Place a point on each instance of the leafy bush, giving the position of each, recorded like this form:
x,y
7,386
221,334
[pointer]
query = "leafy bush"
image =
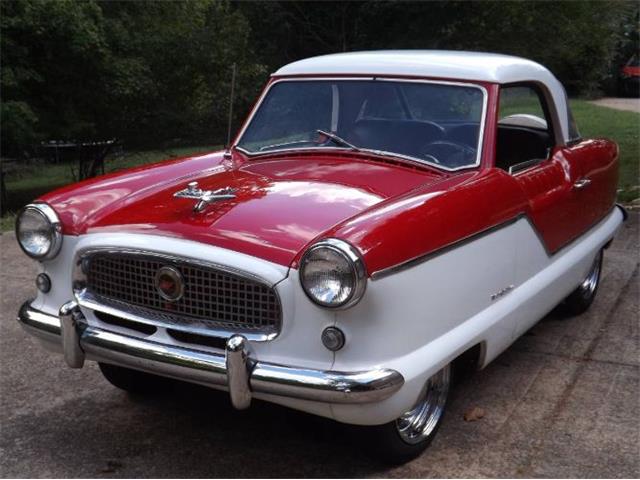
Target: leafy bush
x,y
157,73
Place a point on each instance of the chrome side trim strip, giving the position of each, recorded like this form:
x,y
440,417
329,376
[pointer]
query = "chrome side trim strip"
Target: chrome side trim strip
x,y
441,251
475,236
235,369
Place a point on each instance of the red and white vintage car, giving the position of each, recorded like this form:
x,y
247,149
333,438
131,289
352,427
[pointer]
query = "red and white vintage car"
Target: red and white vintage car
x,y
379,216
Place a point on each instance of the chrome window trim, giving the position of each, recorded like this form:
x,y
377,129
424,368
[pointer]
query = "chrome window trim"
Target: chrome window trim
x,y
357,265
483,118
87,300
51,216
521,167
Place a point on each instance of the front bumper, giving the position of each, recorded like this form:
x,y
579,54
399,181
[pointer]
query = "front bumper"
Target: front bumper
x,y
236,369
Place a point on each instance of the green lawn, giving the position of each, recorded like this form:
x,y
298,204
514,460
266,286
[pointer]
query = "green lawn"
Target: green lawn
x,y
593,121
36,180
620,126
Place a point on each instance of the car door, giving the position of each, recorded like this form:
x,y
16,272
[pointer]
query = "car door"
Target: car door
x,y
595,190
547,174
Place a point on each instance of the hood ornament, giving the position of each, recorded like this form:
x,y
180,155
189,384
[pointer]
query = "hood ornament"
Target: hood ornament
x,y
205,197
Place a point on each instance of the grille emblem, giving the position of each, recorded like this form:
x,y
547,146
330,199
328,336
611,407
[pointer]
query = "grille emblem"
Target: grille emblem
x,y
169,283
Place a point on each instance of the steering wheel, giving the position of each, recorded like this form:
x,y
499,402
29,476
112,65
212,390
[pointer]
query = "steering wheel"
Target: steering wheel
x,y
450,154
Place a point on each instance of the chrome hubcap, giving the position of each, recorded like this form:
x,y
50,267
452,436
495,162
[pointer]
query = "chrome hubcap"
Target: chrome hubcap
x,y
589,284
419,422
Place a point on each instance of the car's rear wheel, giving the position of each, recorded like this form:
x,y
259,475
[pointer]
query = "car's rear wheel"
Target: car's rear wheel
x,y
582,297
133,381
410,434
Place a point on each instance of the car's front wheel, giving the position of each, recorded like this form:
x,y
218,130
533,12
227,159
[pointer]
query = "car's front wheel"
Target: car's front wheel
x,y
410,434
133,381
582,297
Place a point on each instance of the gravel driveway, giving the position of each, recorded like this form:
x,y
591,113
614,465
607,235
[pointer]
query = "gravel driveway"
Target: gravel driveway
x,y
563,401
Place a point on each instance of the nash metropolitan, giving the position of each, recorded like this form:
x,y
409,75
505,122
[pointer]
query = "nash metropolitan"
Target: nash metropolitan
x,y
379,216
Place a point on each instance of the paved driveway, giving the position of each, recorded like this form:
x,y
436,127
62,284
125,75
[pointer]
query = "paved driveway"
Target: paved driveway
x,y
631,104
563,401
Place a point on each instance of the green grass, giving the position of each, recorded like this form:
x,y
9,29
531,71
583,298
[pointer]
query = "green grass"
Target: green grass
x,y
7,221
36,180
623,127
595,121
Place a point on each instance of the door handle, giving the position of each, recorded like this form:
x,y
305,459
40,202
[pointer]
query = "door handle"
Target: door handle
x,y
582,183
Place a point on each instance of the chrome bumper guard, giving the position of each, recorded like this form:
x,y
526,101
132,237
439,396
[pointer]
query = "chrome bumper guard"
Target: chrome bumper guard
x,y
236,369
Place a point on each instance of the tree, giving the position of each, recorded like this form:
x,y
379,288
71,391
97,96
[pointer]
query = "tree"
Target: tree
x,y
51,57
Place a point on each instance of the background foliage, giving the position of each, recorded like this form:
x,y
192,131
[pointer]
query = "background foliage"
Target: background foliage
x,y
157,74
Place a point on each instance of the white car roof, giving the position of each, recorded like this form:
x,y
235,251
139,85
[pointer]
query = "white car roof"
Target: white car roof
x,y
446,64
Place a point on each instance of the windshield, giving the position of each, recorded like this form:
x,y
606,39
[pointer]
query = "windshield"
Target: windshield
x,y
434,123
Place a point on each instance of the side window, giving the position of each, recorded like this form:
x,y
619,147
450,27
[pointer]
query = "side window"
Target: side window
x,y
524,128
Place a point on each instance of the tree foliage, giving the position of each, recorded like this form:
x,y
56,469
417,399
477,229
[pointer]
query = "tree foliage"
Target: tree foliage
x,y
158,72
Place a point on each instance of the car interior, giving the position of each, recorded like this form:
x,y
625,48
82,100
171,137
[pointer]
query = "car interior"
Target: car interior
x,y
518,145
418,122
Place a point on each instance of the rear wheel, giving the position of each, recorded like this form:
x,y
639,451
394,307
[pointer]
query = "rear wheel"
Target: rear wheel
x,y
408,436
133,381
582,297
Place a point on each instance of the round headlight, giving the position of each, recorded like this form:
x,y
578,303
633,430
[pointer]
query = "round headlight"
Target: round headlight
x,y
38,231
332,274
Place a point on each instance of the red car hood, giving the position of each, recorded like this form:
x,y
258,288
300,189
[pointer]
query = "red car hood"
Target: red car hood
x,y
281,204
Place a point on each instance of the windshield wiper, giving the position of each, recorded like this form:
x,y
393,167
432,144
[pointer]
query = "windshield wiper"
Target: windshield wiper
x,y
338,140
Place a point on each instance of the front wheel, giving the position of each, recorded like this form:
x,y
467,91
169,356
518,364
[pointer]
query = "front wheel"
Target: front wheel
x,y
582,297
409,435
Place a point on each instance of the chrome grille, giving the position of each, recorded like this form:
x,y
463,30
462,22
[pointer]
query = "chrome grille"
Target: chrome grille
x,y
212,297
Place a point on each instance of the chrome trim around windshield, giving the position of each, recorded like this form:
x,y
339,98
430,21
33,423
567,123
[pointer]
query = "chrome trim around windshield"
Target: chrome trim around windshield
x,y
386,78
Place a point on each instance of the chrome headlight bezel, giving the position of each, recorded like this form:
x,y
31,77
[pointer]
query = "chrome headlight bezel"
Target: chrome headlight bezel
x,y
356,266
53,227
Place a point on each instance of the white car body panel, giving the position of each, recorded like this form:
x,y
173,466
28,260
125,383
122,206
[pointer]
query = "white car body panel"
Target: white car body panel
x,y
443,64
414,321
493,325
